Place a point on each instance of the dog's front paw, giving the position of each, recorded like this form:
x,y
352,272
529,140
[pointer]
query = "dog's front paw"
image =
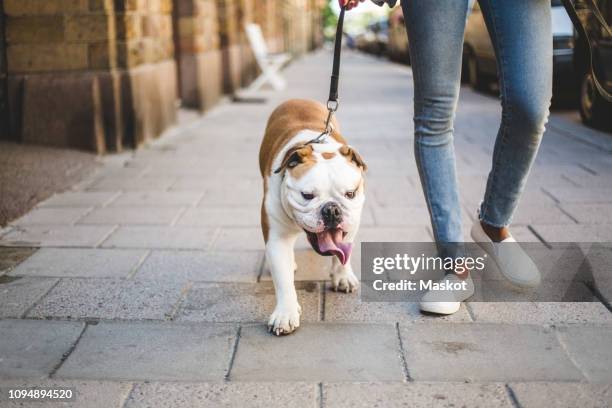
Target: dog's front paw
x,y
344,281
285,319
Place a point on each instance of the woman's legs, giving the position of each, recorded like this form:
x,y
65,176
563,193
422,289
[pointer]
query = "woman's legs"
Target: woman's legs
x,y
435,31
521,34
522,37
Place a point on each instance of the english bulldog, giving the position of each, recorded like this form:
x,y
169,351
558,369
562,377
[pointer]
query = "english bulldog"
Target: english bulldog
x,y
312,187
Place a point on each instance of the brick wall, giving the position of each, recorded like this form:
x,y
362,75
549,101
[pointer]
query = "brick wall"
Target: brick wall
x,y
84,73
102,75
198,53
68,35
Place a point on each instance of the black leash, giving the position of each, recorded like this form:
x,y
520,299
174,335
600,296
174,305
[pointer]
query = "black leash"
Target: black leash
x,y
332,101
335,77
571,11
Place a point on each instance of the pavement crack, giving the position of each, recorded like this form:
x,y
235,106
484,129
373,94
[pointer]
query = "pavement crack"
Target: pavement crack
x,y
128,395
233,354
106,236
570,357
322,299
37,301
402,355
141,261
568,214
538,236
593,288
470,311
69,352
587,169
513,399
319,396
183,295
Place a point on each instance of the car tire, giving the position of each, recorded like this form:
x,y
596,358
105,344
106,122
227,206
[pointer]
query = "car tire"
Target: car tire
x,y
475,77
594,110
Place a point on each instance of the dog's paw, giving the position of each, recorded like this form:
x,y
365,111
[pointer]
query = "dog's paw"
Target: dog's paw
x,y
345,281
285,319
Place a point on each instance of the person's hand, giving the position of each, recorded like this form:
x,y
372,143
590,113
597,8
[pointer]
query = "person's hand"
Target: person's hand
x,y
350,4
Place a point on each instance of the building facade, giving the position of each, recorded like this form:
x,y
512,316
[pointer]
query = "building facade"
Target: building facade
x,y
105,75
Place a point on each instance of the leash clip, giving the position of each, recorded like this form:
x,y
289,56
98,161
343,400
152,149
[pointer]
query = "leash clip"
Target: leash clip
x,y
332,107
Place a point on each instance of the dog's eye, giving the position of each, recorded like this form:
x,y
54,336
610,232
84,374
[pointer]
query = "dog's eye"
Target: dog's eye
x,y
308,196
350,194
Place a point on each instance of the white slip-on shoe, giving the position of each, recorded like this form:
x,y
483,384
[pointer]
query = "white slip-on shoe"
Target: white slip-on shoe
x,y
446,302
512,261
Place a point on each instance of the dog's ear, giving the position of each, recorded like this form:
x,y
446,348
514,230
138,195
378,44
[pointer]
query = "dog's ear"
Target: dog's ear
x,y
294,156
353,156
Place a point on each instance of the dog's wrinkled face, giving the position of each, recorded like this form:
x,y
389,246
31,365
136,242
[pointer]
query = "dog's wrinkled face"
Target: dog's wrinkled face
x,y
323,191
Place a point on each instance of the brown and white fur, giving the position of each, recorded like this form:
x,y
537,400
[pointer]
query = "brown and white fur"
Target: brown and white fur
x,y
316,188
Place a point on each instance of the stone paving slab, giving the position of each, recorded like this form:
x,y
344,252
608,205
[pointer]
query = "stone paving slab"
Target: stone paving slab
x,y
310,266
319,352
540,214
213,395
581,195
132,216
33,348
415,395
18,294
342,307
239,239
215,302
79,199
589,348
110,299
540,312
160,237
202,266
57,236
232,195
392,196
201,184
157,199
401,216
591,180
574,233
121,183
485,352
590,213
387,234
151,351
408,216
523,234
52,216
88,394
562,395
80,262
229,217
472,195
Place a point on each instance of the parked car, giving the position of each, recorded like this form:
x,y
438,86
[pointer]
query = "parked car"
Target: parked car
x,y
479,64
594,109
397,48
374,39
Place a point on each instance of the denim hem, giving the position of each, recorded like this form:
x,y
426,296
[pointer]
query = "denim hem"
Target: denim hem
x,y
492,224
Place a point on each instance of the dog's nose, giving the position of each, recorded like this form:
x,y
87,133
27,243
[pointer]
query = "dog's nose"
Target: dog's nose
x,y
332,215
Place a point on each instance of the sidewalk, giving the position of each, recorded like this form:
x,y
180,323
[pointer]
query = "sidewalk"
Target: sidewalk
x,y
148,288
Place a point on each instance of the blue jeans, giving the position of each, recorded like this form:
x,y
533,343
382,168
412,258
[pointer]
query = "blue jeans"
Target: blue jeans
x,y
521,34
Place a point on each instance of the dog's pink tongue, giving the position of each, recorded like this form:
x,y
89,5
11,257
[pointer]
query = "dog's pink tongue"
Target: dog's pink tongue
x,y
330,241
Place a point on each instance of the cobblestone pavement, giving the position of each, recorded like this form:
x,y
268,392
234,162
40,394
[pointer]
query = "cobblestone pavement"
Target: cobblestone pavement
x,y
148,288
